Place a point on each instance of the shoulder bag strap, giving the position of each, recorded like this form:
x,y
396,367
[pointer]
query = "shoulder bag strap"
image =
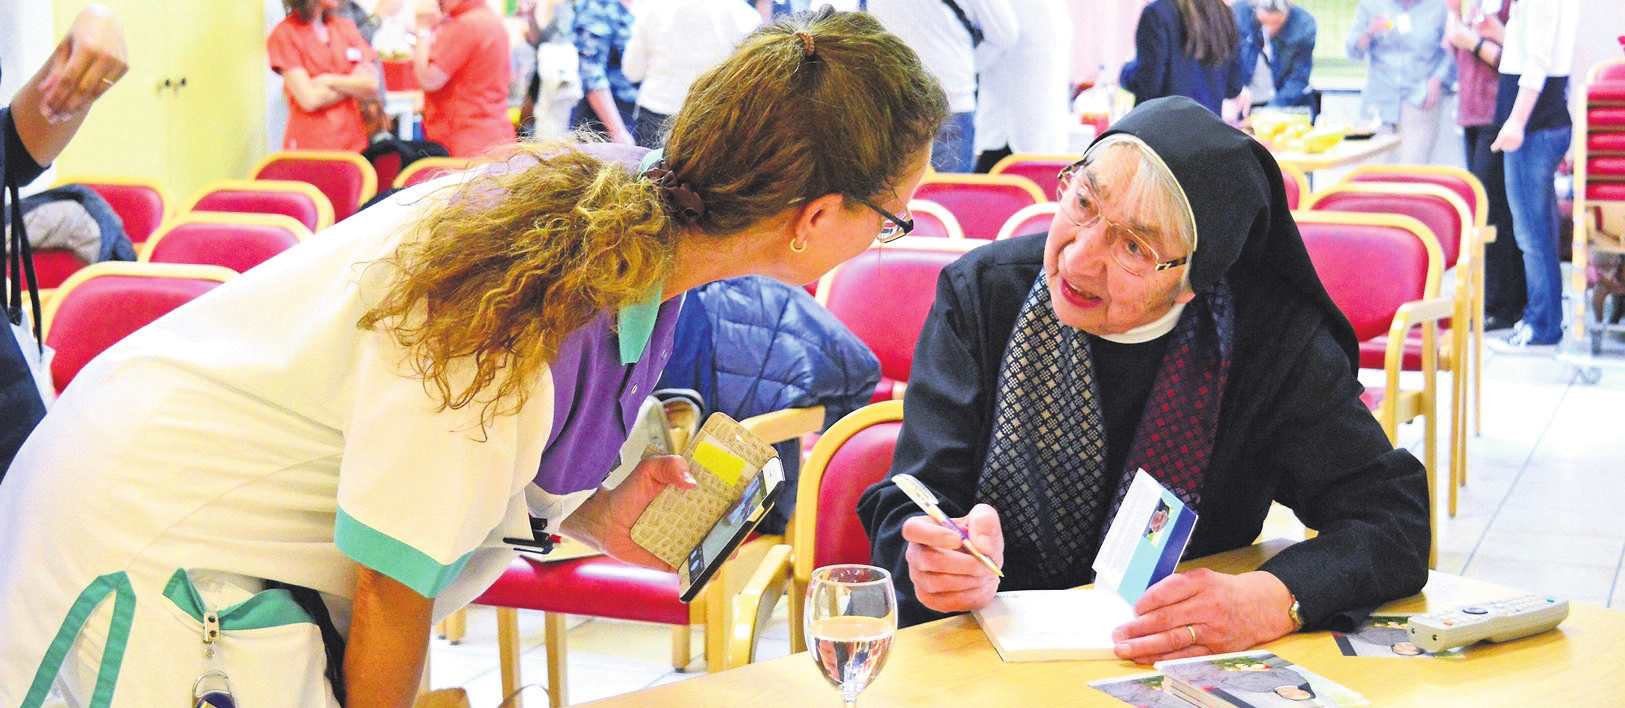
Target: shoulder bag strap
x,y
21,261
975,32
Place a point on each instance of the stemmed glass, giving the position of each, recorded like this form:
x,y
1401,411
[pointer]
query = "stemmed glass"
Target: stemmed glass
x,y
851,617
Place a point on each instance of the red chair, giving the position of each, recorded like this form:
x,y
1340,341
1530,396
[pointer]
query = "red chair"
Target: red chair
x,y
235,241
300,200
105,302
53,266
427,168
933,221
142,204
1042,170
1296,183
1383,272
346,178
1030,220
883,295
982,203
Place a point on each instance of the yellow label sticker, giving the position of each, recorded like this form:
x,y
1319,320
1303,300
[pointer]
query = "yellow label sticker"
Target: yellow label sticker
x,y
722,463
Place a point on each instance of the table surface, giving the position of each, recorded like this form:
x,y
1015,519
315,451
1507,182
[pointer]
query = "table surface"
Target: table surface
x,y
1345,152
950,662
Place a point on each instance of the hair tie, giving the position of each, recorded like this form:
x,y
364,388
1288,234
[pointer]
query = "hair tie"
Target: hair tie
x,y
807,42
686,205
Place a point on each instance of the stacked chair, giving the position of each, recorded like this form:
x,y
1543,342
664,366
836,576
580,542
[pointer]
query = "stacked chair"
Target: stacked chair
x,y
299,200
345,178
1599,200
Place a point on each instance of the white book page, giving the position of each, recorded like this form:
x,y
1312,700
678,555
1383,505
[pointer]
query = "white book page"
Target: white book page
x,y
1039,625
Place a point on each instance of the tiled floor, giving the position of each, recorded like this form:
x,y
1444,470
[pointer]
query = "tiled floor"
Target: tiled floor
x,y
1541,511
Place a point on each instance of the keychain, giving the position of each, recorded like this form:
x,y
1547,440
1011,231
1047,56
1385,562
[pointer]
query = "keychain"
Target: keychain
x,y
212,690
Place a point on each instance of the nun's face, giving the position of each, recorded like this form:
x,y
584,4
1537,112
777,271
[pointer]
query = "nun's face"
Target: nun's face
x,y
1091,282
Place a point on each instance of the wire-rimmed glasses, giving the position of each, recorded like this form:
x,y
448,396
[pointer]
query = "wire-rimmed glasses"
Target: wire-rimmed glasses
x,y
1128,247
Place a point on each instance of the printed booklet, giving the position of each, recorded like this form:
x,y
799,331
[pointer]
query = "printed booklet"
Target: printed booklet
x,y
1252,679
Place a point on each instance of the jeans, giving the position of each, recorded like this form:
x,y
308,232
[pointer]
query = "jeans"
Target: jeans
x,y
650,130
1533,198
1504,291
954,150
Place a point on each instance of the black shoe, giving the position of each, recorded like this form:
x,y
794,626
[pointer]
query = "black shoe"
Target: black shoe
x,y
1495,322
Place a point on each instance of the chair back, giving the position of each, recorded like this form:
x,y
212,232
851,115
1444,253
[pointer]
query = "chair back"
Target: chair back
x,y
1606,70
1444,213
1042,170
53,266
142,204
982,203
345,178
933,221
1030,220
1371,264
883,295
300,200
1297,185
424,169
235,241
1455,179
105,302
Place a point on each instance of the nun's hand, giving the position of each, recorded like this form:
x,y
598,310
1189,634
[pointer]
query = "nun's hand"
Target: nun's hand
x,y
1204,612
605,520
946,577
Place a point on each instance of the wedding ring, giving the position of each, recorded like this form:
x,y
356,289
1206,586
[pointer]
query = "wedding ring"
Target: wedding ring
x,y
107,81
1192,630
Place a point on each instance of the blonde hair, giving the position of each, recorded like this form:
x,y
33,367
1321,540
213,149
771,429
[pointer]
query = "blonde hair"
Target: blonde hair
x,y
499,273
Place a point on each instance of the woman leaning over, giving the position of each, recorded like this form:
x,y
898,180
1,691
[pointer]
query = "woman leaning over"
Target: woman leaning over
x,y
325,67
370,414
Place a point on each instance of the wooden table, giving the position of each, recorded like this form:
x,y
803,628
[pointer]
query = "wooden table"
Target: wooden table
x,y
951,663
1346,152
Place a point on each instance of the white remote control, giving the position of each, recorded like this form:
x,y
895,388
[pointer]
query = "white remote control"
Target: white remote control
x,y
1498,621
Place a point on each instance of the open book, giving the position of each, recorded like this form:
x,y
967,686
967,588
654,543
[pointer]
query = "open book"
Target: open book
x,y
1142,546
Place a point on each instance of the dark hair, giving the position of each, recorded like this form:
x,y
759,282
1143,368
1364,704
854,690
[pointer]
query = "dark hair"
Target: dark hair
x,y
305,10
1211,36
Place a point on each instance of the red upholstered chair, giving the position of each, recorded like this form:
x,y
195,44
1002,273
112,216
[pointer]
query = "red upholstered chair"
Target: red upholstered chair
x,y
303,202
105,302
346,178
1042,170
427,168
1030,220
600,586
142,204
933,221
883,295
982,203
1451,222
53,267
853,454
1383,271
235,241
1296,183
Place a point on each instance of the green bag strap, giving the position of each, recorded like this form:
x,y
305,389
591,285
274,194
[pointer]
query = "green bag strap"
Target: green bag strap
x,y
118,635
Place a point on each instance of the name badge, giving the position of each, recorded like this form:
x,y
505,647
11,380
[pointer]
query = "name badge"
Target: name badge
x,y
1403,23
352,54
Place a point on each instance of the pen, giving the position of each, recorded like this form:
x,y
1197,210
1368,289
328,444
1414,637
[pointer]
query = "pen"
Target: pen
x,y
928,502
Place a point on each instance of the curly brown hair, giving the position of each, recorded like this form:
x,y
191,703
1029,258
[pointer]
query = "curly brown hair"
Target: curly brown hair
x,y
502,269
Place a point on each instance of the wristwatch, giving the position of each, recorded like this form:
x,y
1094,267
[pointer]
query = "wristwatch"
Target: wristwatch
x,y
1294,613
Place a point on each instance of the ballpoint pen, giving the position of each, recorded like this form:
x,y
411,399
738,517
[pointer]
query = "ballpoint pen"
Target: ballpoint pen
x,y
928,501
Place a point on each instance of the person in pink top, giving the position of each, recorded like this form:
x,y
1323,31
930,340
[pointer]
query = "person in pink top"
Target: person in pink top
x,y
463,67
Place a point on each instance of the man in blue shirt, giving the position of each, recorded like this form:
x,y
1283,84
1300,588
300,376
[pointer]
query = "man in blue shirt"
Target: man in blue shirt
x,y
1277,48
1408,69
602,29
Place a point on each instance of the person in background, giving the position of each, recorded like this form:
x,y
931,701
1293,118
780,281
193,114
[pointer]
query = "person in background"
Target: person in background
x,y
953,39
1476,43
1186,48
462,65
437,371
602,29
554,86
1407,70
1531,106
672,43
1023,103
1170,320
367,22
326,69
1277,51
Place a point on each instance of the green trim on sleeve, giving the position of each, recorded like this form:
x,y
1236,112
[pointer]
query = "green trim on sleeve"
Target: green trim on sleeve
x,y
118,635
385,554
270,608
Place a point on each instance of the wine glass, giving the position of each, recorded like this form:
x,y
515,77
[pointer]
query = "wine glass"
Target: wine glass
x,y
851,617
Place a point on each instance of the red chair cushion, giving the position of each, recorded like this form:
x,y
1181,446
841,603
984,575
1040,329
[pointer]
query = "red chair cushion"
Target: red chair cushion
x,y
1605,191
1044,173
1438,215
928,225
1606,142
599,586
293,204
981,209
1348,256
1461,187
1606,167
1374,353
235,246
387,166
342,182
883,296
862,460
1606,92
140,208
1037,223
99,312
1292,195
1606,117
54,265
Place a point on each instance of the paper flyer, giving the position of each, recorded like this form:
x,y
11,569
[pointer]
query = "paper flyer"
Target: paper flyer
x,y
1145,539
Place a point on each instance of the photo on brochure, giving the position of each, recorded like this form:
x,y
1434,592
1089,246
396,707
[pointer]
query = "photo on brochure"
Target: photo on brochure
x,y
1140,690
1145,540
1386,636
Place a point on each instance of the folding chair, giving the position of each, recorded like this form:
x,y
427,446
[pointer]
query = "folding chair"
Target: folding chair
x,y
235,241
142,204
303,202
933,221
105,302
982,203
1042,170
1030,220
346,178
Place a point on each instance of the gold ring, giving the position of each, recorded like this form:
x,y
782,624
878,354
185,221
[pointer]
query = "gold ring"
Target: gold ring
x,y
1192,630
107,81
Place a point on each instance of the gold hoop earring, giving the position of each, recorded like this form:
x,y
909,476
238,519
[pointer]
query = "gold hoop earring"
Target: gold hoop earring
x,y
798,246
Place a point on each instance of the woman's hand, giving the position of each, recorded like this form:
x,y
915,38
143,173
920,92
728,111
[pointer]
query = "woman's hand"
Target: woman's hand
x,y
946,577
88,61
605,520
1204,612
1509,139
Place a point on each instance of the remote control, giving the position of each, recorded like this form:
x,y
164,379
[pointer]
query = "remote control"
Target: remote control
x,y
1498,621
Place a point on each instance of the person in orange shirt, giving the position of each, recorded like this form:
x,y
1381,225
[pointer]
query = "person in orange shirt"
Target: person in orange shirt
x,y
463,68
326,67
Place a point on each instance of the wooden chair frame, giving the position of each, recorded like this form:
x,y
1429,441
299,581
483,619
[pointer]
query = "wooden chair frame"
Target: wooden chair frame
x,y
1027,212
940,213
324,206
369,176
299,231
1293,174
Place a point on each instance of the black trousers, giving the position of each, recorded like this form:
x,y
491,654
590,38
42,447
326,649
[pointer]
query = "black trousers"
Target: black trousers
x,y
1504,290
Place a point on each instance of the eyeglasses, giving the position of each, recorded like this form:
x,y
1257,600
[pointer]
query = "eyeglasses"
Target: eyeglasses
x,y
894,227
1129,248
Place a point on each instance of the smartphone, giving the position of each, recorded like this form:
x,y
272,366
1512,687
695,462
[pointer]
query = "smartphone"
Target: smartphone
x,y
729,531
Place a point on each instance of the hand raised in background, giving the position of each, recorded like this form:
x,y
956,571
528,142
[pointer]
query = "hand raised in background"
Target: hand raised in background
x,y
89,60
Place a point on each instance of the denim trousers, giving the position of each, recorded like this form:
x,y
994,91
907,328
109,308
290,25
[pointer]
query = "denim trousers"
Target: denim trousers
x,y
1533,198
1504,290
954,150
